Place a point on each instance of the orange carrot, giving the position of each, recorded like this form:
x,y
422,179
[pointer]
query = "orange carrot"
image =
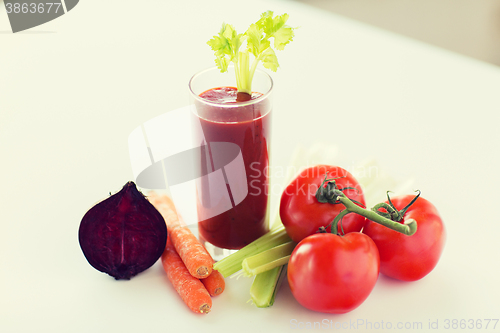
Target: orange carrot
x,y
193,254
214,283
191,290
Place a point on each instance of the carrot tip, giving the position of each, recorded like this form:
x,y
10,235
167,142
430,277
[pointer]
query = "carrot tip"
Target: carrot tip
x,y
217,291
202,271
205,308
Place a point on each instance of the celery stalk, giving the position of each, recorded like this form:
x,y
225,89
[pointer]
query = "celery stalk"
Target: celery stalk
x,y
233,263
269,259
266,285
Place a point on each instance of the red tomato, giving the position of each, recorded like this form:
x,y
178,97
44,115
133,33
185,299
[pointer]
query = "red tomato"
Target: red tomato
x,y
410,258
302,214
332,273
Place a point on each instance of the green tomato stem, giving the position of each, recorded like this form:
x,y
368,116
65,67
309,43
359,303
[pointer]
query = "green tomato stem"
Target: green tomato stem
x,y
408,228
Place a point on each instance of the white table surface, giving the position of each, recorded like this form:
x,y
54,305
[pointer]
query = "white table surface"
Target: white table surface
x,y
73,89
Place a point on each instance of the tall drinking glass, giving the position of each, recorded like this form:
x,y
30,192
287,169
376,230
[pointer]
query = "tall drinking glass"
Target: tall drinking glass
x,y
234,137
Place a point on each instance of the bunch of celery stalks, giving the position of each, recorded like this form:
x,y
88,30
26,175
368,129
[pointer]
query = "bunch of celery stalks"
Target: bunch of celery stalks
x,y
266,258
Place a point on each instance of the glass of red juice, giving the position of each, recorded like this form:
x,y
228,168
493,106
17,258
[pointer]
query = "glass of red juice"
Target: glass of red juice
x,y
233,134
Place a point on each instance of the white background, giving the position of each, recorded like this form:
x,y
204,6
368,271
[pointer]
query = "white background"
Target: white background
x,y
73,89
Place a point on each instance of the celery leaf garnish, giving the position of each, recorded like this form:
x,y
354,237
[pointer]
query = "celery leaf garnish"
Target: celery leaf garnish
x,y
226,46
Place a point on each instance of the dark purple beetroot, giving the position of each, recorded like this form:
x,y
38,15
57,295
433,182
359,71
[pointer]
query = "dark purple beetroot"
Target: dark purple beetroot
x,y
124,234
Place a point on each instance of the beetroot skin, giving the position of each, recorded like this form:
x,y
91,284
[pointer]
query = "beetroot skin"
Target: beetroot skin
x,y
124,234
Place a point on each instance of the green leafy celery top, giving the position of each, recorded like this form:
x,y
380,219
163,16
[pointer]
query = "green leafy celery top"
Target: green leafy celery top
x,y
226,46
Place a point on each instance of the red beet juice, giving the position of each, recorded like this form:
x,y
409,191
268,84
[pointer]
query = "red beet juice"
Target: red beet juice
x,y
248,127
